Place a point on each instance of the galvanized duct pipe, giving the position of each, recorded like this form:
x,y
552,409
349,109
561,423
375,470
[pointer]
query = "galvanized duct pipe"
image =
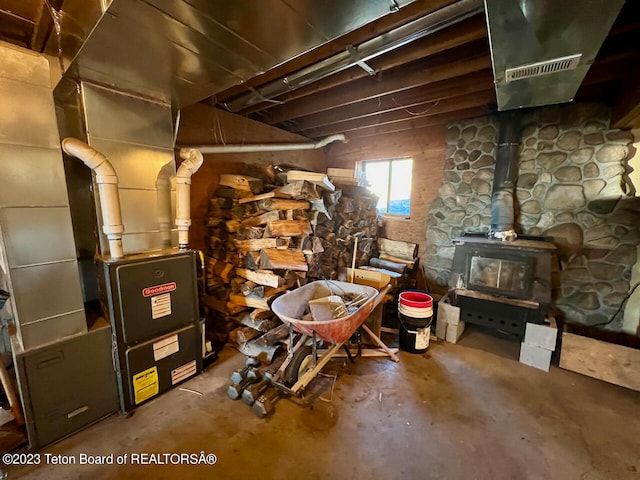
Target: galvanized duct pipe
x,y
163,192
270,147
107,181
192,161
505,177
385,43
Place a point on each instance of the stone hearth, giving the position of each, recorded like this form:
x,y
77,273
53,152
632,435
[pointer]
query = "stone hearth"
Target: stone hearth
x,y
572,186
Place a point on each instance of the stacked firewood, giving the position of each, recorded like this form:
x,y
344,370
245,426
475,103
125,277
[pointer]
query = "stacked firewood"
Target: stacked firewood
x,y
269,233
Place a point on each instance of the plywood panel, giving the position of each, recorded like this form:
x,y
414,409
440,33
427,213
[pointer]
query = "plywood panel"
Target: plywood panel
x,y
612,363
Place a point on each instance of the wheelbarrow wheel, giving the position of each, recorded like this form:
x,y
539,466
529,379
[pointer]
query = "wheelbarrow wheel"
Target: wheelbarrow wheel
x,y
299,364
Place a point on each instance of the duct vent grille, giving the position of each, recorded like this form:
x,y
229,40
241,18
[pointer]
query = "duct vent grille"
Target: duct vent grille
x,y
543,68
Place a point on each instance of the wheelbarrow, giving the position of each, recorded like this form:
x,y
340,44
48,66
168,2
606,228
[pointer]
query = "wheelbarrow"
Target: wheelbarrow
x,y
303,363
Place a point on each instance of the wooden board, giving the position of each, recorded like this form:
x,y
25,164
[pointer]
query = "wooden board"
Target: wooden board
x,y
605,361
368,277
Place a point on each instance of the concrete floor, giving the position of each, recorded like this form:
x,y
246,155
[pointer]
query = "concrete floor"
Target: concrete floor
x,y
465,411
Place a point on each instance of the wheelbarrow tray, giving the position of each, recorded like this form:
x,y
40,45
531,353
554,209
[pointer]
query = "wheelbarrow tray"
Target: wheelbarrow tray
x,y
292,305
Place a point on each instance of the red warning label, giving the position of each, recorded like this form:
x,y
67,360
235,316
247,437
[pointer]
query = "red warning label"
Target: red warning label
x,y
158,289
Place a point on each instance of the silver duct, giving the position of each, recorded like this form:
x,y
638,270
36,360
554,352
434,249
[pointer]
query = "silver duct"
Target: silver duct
x,y
505,177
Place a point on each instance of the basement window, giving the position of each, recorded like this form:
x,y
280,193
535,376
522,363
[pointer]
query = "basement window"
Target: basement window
x,y
390,180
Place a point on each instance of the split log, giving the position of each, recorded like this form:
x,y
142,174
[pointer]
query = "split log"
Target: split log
x,y
266,354
283,204
232,226
245,246
288,228
341,172
261,277
252,260
227,192
261,314
252,288
261,219
241,182
251,301
299,190
387,265
263,325
391,258
271,258
256,198
274,335
404,250
223,270
249,233
316,178
243,335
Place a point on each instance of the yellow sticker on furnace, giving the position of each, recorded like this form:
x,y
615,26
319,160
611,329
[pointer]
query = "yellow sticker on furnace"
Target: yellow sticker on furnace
x,y
145,384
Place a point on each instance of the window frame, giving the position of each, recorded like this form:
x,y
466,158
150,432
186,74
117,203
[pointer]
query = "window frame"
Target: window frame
x,y
361,173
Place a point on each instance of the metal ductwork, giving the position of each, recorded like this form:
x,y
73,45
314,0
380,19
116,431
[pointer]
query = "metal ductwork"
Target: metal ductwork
x,y
182,51
359,55
541,50
505,177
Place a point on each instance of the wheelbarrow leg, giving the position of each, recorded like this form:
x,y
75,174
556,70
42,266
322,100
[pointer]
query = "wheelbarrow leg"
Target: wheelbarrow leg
x,y
380,343
310,374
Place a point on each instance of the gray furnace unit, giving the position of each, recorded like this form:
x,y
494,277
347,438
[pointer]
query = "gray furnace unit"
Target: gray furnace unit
x,y
152,303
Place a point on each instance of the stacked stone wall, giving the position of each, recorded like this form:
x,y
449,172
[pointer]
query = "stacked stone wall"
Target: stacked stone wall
x,y
572,185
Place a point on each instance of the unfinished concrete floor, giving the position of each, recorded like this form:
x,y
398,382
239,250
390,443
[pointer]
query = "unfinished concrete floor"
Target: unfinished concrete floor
x,y
465,411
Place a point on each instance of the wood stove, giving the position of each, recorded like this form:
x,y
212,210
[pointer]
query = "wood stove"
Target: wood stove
x,y
502,284
503,280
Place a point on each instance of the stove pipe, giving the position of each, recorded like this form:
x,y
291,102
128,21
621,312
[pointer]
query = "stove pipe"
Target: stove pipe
x,y
505,177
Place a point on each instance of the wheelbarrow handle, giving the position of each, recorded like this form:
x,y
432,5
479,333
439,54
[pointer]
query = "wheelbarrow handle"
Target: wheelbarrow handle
x,y
381,295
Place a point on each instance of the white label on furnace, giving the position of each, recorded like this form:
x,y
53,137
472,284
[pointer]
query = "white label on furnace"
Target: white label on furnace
x,y
165,347
185,371
161,305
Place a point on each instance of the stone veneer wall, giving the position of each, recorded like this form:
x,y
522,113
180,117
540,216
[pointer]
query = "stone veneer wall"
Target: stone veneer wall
x,y
572,186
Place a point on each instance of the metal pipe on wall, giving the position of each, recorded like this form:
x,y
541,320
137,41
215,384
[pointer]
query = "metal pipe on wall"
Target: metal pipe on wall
x,y
505,177
270,147
107,181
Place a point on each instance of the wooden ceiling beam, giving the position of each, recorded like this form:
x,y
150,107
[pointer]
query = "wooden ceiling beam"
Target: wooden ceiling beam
x,y
455,36
416,97
462,102
406,14
421,122
430,71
